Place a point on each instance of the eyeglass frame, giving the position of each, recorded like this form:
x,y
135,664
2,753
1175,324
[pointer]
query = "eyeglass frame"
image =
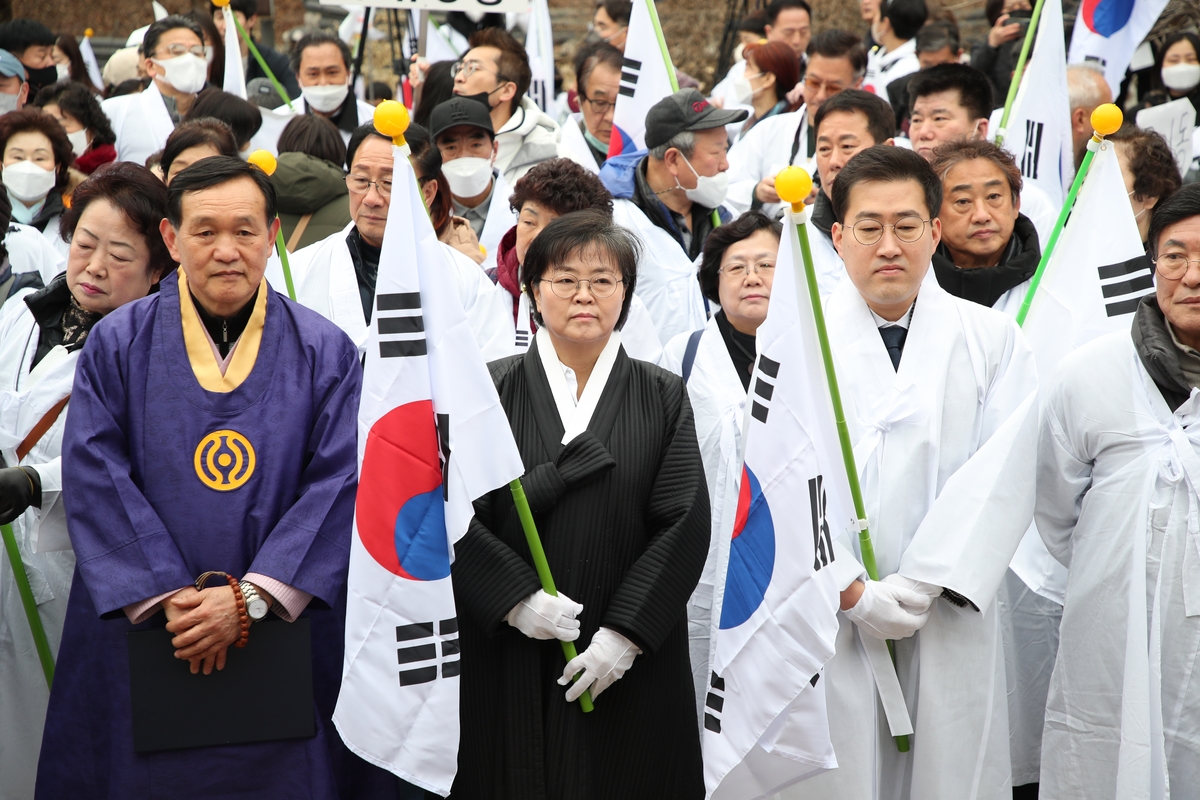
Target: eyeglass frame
x,y
186,50
1181,275
579,284
609,105
757,268
883,226
475,66
377,184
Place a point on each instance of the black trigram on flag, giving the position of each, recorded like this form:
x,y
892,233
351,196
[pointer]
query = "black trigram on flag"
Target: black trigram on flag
x,y
401,326
763,389
443,429
1033,149
1124,284
714,703
419,648
822,541
522,340
629,76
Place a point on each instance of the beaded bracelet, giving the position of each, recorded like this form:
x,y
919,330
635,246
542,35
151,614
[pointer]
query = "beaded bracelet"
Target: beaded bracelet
x,y
239,598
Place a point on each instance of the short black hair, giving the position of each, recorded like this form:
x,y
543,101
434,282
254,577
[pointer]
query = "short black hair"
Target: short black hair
x,y
315,39
886,165
881,120
217,171
357,138
243,117
18,34
195,133
79,101
936,35
777,7
721,240
591,56
906,16
1182,205
571,233
974,88
835,43
249,8
168,23
137,194
314,135
617,10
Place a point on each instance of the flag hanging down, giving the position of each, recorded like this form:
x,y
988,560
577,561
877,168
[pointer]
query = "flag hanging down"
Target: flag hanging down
x,y
235,78
1107,32
432,437
539,45
1039,126
765,724
647,76
1097,273
89,60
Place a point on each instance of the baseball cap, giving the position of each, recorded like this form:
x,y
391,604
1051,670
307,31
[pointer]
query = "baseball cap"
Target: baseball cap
x,y
261,92
686,110
460,110
10,67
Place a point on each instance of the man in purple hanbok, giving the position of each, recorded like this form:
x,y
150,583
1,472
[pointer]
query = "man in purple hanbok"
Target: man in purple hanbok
x,y
212,427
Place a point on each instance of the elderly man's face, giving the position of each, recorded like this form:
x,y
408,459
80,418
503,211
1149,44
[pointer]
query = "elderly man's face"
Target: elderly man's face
x,y
369,210
941,117
1178,286
222,244
710,158
978,212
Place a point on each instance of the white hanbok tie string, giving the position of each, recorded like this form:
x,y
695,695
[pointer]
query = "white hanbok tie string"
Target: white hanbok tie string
x,y
902,405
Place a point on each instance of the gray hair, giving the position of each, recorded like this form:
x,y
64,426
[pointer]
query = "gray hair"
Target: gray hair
x,y
684,142
1086,86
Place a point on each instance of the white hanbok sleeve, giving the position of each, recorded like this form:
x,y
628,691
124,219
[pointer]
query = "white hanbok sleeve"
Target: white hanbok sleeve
x,y
1062,480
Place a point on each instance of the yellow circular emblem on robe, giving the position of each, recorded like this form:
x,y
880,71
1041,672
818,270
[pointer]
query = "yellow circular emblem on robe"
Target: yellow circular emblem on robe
x,y
224,460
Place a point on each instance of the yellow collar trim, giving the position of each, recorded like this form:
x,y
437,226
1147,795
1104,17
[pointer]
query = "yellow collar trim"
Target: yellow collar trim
x,y
200,351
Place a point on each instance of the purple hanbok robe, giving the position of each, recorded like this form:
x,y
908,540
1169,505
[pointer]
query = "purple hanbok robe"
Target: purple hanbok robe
x,y
144,521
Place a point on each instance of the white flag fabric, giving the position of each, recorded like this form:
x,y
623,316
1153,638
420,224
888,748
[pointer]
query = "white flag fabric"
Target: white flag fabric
x,y
1039,125
235,77
89,61
1107,32
432,437
765,725
539,46
160,11
646,77
1097,273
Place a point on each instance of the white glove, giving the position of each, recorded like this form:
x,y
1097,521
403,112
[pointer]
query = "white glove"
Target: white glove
x,y
887,611
920,587
602,664
544,616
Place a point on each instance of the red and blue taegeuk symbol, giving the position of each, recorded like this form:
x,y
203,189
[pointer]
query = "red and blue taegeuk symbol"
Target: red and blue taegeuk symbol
x,y
620,143
1106,17
751,554
400,512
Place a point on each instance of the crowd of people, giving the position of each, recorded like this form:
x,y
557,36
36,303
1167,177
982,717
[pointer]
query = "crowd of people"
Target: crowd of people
x,y
167,411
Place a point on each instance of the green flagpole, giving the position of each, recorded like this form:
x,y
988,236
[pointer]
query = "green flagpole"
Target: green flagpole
x,y
543,569
253,48
1106,120
793,185
31,612
1019,72
267,163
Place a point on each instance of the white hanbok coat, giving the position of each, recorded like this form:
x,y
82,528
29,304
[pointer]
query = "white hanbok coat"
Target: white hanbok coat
x,y
141,123
25,398
666,279
764,150
323,274
30,251
945,448
1119,502
718,405
883,68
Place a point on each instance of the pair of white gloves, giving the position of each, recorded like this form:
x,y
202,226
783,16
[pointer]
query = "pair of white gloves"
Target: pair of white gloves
x,y
545,616
894,608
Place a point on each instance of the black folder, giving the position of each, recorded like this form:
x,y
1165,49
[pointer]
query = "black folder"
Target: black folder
x,y
264,693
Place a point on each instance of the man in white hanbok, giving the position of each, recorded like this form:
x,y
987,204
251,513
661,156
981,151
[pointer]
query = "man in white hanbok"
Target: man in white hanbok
x,y
1118,497
736,273
940,395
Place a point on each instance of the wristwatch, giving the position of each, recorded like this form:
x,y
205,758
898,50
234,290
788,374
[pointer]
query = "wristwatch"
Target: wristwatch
x,y
256,606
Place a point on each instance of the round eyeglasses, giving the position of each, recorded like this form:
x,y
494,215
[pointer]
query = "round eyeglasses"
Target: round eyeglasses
x,y
469,68
1173,266
566,286
907,230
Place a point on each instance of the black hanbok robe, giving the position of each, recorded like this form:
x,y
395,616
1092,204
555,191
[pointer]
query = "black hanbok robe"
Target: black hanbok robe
x,y
626,541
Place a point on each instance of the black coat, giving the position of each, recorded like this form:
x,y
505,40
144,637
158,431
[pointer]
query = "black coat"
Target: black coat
x,y
628,541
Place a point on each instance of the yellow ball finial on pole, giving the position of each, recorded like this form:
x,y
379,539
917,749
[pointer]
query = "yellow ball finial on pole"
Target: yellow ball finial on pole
x,y
264,161
220,3
1107,119
89,33
793,185
391,119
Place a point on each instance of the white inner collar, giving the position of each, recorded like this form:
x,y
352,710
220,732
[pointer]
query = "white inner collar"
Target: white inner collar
x,y
576,412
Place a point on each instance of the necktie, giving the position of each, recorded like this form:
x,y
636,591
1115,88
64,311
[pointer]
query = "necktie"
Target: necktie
x,y
893,338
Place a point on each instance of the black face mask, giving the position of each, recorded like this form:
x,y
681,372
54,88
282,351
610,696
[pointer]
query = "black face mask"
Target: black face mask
x,y
40,78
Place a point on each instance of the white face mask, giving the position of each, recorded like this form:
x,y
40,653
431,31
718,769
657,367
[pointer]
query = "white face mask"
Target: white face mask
x,y
8,102
187,73
325,99
209,54
468,177
79,141
710,191
27,182
63,70
745,90
1181,77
